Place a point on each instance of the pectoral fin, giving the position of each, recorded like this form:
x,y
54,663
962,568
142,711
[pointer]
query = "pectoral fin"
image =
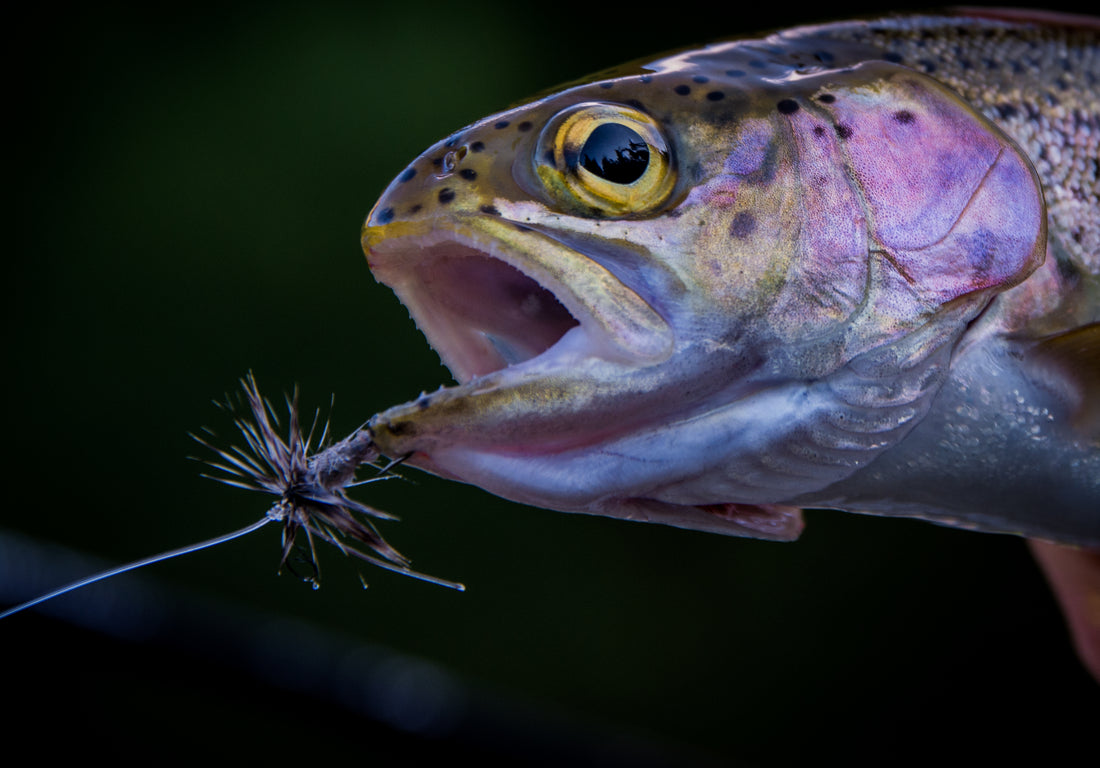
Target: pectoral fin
x,y
1075,357
767,521
774,522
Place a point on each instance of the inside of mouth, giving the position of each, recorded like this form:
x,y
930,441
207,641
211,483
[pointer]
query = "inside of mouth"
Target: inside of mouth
x,y
481,314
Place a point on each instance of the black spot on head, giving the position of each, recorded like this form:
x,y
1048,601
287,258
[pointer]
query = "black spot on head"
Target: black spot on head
x,y
1068,270
981,250
501,124
490,209
524,126
385,216
843,131
819,131
416,208
401,428
787,106
607,85
446,195
904,116
700,79
406,175
742,225
735,73
826,98
437,161
468,173
892,57
477,146
683,90
715,96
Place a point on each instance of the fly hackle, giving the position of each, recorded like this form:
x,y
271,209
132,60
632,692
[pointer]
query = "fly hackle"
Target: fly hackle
x,y
310,489
310,484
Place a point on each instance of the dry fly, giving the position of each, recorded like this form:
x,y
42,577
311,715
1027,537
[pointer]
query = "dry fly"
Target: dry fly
x,y
311,492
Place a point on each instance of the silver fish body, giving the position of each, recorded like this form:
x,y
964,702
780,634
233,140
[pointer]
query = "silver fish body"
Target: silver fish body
x,y
853,266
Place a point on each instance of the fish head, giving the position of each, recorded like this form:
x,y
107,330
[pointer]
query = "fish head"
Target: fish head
x,y
694,288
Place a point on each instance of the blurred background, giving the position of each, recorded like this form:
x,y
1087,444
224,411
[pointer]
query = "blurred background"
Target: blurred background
x,y
187,191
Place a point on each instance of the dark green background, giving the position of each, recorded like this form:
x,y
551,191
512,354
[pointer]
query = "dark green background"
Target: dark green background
x,y
187,193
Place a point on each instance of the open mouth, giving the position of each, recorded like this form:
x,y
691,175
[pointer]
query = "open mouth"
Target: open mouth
x,y
489,301
479,313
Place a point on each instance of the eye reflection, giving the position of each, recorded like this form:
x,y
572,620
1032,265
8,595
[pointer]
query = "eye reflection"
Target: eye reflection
x,y
615,153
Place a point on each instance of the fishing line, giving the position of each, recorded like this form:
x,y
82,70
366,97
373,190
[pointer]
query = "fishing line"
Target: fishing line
x,y
139,564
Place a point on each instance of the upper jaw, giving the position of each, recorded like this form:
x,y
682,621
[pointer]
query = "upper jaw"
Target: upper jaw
x,y
490,293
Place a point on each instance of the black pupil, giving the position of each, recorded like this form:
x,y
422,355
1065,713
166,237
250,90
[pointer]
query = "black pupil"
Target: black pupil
x,y
615,153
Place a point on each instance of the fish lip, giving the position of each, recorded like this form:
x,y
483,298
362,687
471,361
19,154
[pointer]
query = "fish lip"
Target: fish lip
x,y
601,315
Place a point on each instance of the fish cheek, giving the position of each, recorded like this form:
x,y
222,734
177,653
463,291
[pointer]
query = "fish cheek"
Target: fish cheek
x,y
746,224
827,280
951,202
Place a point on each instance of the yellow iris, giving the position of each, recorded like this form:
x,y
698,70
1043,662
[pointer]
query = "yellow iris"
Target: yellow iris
x,y
605,159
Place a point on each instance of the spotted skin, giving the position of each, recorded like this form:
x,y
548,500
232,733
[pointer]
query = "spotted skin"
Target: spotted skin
x,y
830,298
1041,84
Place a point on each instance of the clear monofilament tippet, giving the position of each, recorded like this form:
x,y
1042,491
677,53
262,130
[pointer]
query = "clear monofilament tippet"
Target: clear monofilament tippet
x,y
310,490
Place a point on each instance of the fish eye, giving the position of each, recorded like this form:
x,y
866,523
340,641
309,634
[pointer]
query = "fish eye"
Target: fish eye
x,y
605,159
615,153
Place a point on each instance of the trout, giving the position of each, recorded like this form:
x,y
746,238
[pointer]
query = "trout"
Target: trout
x,y
851,266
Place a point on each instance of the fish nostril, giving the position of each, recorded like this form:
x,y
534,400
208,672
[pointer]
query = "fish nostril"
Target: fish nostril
x,y
451,161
